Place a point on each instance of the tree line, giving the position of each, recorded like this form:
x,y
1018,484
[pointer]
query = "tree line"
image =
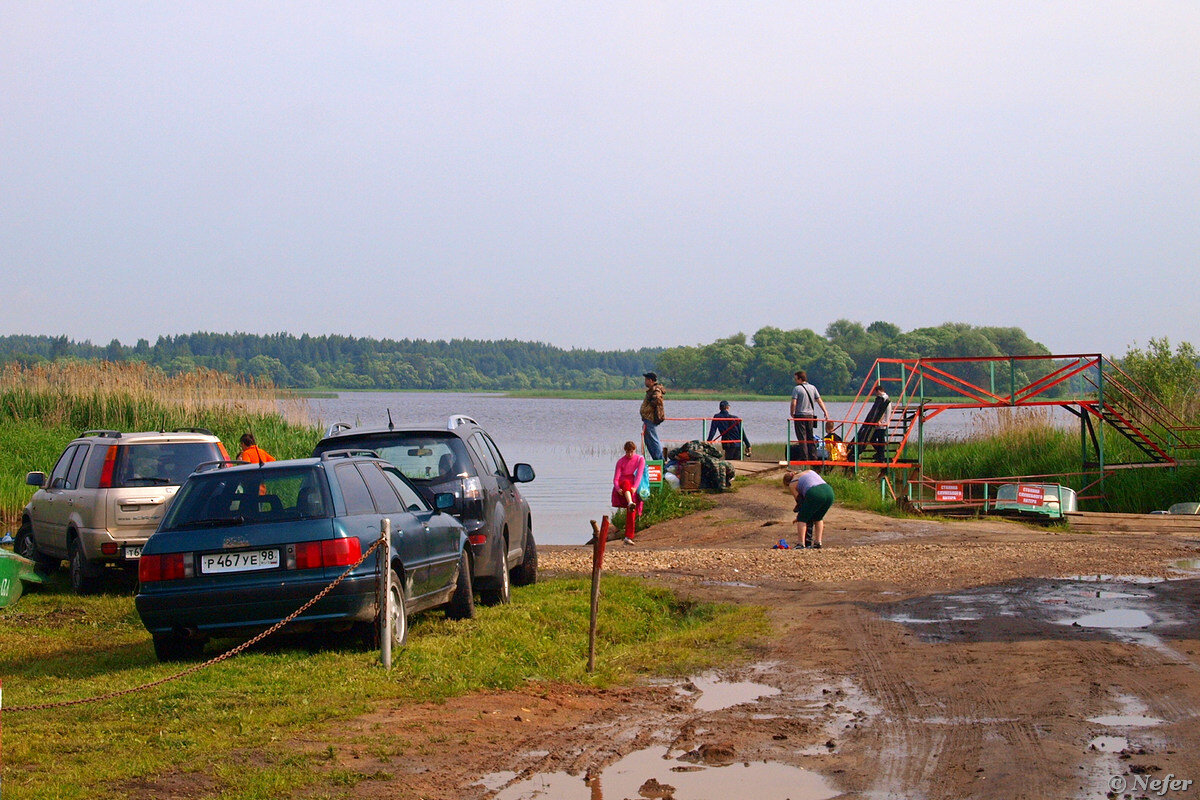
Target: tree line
x,y
837,362
347,362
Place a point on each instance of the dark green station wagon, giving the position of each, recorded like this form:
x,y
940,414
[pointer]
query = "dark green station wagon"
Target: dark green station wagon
x,y
243,546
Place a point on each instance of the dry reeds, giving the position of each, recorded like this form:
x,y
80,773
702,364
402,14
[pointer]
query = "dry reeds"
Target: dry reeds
x,y
83,393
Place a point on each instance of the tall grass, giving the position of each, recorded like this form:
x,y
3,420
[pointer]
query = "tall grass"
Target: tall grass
x,y
1012,445
43,407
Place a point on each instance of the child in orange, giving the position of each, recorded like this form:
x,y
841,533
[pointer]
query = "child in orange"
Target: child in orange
x,y
251,452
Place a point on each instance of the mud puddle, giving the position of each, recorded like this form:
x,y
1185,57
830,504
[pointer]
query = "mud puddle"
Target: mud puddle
x,y
1132,714
726,733
654,773
1133,609
713,694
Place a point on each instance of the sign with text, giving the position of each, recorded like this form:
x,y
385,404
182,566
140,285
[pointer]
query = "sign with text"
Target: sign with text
x,y
1030,494
949,492
654,471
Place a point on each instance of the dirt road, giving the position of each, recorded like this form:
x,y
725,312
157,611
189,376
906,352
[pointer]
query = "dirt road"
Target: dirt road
x,y
913,659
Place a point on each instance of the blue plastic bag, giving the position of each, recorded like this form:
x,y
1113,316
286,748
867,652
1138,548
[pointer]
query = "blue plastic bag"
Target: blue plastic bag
x,y
644,486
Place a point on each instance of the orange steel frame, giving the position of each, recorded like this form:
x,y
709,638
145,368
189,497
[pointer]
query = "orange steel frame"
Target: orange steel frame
x,y
1103,393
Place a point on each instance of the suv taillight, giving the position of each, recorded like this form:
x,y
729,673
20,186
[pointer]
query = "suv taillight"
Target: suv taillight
x,y
327,553
472,488
106,474
169,567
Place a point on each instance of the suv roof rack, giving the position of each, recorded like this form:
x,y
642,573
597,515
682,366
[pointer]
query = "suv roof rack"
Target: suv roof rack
x,y
337,427
222,463
106,434
204,431
349,452
459,420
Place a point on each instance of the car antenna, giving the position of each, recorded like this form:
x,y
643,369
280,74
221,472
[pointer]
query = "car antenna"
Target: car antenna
x,y
391,427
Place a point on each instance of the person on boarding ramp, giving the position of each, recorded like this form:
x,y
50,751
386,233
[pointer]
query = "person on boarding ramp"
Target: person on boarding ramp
x,y
805,399
653,413
726,430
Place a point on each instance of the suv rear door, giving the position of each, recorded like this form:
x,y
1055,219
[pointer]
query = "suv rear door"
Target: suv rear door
x,y
510,497
51,513
499,489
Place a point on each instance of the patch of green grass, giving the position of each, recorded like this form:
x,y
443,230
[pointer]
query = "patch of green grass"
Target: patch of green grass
x,y
666,503
58,646
1050,451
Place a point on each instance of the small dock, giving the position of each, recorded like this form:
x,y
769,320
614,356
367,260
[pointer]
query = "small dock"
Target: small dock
x,y
1152,524
752,468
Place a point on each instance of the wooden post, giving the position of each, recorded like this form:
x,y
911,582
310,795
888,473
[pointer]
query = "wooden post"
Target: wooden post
x,y
385,561
598,543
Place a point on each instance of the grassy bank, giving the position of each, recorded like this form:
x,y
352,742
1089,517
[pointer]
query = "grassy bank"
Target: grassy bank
x,y
43,408
1019,446
665,504
1033,449
238,727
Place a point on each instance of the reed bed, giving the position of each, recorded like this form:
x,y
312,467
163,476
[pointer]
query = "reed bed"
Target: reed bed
x,y
43,407
1022,444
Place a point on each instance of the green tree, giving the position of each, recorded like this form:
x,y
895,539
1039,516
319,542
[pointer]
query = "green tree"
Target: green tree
x,y
1172,377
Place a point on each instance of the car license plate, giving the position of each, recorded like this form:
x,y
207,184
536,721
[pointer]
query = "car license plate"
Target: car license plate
x,y
240,561
133,553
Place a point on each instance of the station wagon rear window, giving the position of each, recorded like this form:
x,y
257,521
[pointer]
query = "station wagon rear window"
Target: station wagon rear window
x,y
249,497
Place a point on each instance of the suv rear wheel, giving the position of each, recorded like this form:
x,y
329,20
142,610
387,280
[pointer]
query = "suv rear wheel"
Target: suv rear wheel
x,y
498,590
84,579
26,547
525,573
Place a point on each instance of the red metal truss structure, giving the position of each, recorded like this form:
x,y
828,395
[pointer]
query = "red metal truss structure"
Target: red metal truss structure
x,y
1092,387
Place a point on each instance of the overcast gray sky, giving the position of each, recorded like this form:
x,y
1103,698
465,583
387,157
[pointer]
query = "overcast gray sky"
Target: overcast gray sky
x,y
600,174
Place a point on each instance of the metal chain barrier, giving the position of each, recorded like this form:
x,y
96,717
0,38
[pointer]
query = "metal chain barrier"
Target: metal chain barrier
x,y
216,660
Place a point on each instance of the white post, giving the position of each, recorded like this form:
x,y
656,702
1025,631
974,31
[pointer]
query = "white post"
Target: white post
x,y
385,625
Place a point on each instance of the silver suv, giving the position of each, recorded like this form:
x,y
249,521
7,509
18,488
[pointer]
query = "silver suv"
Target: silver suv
x,y
104,498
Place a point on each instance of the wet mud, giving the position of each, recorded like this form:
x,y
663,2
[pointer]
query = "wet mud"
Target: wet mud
x,y
910,659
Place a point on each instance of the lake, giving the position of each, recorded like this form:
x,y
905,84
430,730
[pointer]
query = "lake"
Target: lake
x,y
573,444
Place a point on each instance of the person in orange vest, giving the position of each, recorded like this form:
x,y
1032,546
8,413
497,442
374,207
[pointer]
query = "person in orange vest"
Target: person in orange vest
x,y
252,452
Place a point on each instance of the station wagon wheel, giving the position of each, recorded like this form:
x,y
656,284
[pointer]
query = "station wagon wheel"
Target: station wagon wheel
x,y
172,647
399,621
462,602
83,575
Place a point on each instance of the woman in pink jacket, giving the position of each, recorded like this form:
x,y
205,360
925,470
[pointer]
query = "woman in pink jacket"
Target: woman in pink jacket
x,y
626,479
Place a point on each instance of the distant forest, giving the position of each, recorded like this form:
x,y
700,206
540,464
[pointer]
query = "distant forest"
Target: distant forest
x,y
836,362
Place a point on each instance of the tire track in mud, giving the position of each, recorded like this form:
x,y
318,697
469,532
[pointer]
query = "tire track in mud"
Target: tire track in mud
x,y
906,751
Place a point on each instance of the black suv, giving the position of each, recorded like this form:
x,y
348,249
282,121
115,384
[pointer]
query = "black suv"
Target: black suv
x,y
460,458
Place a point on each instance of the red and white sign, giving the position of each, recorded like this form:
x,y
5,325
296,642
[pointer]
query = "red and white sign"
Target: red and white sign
x,y
654,471
1030,494
949,492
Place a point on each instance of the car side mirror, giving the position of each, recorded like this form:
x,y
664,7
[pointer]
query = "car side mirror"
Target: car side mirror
x,y
522,473
37,479
443,501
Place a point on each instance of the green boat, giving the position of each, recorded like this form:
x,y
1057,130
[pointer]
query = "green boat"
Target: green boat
x,y
15,573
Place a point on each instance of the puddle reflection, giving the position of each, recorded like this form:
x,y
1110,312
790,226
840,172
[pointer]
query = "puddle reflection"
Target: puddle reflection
x,y
652,773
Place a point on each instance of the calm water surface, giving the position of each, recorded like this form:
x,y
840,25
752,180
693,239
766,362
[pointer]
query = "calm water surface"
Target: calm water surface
x,y
572,444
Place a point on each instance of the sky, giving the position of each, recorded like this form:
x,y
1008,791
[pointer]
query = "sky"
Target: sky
x,y
602,175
